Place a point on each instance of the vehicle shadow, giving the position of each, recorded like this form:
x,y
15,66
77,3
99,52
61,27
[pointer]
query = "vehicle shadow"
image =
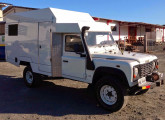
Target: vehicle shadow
x,y
48,99
2,60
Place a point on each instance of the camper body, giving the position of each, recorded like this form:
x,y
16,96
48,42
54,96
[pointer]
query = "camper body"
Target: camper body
x,y
60,43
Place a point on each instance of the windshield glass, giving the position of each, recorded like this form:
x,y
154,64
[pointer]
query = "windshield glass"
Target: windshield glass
x,y
99,38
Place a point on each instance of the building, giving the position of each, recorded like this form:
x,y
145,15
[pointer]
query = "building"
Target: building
x,y
2,30
2,5
137,35
14,9
122,30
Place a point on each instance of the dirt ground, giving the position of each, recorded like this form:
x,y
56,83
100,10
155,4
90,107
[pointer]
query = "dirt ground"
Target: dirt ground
x,y
70,100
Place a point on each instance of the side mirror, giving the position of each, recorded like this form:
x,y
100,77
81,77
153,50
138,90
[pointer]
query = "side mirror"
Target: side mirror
x,y
78,48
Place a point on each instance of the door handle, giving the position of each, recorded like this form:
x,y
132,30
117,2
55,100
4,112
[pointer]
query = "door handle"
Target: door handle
x,y
66,61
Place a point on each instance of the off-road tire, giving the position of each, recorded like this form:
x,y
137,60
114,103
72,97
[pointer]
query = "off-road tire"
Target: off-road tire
x,y
120,90
35,78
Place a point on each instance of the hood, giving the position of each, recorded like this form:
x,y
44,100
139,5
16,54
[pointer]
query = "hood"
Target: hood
x,y
139,57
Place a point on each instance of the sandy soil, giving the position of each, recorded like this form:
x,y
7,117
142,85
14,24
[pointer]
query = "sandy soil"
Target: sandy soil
x,y
66,99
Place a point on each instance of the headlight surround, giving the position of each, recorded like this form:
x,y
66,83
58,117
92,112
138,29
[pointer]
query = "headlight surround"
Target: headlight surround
x,y
135,72
156,64
153,65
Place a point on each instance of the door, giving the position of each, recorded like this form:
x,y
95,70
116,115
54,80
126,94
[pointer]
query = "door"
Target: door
x,y
44,50
132,34
73,59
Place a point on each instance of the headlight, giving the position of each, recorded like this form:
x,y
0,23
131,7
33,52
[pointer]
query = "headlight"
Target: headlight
x,y
135,72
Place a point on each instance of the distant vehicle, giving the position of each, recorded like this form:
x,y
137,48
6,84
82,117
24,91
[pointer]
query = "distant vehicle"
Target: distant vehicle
x,y
61,43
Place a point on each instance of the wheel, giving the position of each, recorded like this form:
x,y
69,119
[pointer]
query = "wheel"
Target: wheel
x,y
31,79
110,94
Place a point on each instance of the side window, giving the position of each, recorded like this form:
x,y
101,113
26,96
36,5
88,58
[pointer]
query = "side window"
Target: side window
x,y
113,28
13,30
73,43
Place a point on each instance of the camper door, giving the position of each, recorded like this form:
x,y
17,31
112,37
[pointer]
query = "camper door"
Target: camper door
x,y
44,50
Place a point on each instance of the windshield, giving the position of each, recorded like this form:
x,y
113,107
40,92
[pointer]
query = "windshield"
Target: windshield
x,y
99,38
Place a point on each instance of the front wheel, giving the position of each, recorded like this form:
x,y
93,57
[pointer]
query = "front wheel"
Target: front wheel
x,y
110,94
31,79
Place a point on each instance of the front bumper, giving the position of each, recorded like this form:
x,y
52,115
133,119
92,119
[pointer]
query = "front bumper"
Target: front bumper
x,y
145,83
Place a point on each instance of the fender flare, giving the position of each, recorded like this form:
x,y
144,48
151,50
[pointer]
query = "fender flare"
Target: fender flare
x,y
109,71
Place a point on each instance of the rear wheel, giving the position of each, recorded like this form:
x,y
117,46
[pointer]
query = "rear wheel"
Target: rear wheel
x,y
110,94
31,79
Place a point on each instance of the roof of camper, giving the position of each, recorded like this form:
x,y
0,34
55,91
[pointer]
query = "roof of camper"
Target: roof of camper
x,y
66,21
52,14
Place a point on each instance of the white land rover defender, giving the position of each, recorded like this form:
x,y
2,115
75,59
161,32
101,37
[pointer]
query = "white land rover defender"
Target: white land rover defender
x,y
62,47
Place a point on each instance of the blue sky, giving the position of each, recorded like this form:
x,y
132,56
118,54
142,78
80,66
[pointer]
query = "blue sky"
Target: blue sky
x,y
150,11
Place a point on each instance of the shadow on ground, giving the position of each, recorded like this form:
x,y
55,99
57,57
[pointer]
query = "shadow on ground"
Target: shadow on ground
x,y
2,60
48,99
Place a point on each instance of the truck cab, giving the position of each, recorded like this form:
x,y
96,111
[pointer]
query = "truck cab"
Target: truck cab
x,y
94,57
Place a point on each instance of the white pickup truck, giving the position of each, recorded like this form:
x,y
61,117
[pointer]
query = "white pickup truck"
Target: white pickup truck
x,y
61,43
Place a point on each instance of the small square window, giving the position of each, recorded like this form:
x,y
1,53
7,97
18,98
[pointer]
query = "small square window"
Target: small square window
x,y
13,30
113,28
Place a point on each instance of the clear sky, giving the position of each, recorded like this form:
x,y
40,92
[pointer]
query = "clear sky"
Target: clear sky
x,y
150,11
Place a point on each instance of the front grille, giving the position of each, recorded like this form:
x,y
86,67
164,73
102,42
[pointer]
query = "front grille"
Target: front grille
x,y
146,69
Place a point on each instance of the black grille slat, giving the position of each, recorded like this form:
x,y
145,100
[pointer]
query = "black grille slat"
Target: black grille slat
x,y
146,69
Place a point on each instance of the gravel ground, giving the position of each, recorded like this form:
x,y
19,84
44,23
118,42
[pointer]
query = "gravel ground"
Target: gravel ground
x,y
66,99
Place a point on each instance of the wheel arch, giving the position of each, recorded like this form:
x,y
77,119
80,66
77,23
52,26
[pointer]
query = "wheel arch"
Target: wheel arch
x,y
113,72
24,63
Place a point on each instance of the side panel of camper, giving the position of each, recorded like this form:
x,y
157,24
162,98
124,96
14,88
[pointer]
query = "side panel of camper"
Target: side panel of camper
x,y
29,42
21,42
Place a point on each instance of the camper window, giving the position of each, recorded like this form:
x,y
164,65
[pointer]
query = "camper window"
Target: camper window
x,y
13,30
73,43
